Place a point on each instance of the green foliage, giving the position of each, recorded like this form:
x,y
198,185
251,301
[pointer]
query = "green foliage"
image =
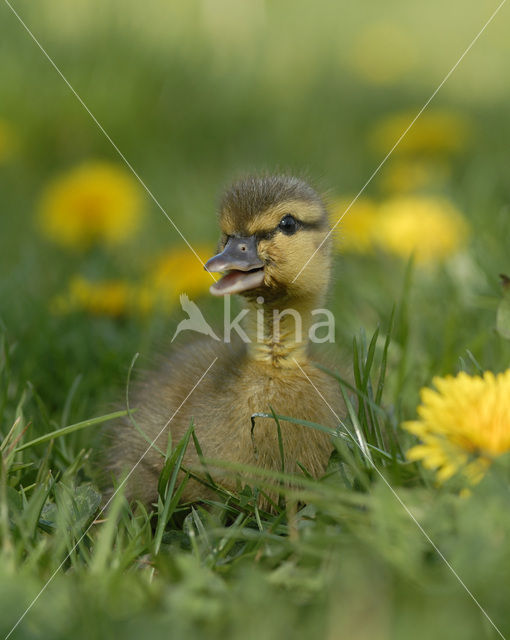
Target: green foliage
x,y
503,315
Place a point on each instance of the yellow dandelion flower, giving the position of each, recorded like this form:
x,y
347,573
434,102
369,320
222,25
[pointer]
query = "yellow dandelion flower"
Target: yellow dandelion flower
x,y
356,229
96,203
110,297
7,141
433,132
431,228
407,176
175,272
383,53
463,424
171,274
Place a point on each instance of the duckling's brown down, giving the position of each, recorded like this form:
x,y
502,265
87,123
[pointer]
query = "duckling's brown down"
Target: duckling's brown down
x,y
270,228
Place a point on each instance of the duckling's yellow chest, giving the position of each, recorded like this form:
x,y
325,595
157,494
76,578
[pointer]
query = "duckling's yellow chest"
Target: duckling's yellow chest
x,y
224,405
233,431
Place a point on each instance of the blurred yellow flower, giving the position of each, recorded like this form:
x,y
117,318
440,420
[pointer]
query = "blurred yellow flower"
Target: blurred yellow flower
x,y
110,297
406,176
430,228
383,53
7,141
433,132
356,229
92,204
172,274
463,425
178,271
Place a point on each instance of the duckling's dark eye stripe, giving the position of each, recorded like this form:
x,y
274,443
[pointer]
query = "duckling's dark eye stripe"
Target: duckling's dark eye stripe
x,y
307,226
318,224
266,235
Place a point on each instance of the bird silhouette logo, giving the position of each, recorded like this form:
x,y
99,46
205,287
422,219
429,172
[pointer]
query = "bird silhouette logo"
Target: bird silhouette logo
x,y
195,320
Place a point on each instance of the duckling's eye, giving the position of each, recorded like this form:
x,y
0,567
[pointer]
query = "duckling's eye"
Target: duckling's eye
x,y
288,224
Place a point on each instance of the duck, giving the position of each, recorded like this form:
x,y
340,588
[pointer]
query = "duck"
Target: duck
x,y
271,227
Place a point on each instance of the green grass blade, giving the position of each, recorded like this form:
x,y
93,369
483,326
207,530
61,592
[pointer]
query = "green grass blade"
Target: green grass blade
x,y
384,360
64,431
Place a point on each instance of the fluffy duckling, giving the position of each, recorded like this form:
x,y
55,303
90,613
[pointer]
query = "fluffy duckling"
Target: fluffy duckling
x,y
270,226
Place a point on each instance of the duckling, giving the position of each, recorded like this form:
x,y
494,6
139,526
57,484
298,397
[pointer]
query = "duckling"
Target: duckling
x,y
270,226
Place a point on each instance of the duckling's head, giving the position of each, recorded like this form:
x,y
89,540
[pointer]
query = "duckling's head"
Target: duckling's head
x,y
271,226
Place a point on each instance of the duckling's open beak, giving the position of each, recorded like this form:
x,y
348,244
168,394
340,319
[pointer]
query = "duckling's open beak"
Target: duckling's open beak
x,y
244,269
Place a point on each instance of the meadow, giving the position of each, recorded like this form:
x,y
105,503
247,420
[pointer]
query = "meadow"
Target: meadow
x,y
395,541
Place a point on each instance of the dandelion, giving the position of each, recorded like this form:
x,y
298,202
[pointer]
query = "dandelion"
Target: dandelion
x,y
110,298
407,176
434,132
170,275
463,424
96,203
175,272
357,226
430,228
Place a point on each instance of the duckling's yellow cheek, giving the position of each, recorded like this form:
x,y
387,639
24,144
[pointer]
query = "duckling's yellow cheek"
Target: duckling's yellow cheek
x,y
285,257
283,261
265,251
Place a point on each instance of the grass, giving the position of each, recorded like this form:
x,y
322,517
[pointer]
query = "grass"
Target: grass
x,y
352,558
340,557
